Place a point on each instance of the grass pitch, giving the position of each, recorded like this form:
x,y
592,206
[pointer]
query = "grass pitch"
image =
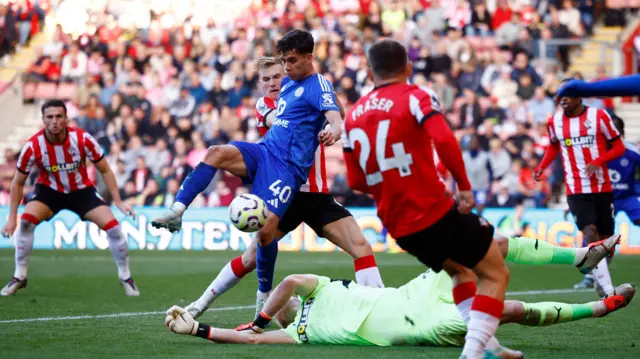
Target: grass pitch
x,y
83,284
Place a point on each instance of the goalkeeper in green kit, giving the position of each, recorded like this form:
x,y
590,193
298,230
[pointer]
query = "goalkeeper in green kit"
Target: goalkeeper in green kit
x,y
317,310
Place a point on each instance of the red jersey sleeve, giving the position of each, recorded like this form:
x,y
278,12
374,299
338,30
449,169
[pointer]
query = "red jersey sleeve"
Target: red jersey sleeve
x,y
92,149
552,131
605,124
264,106
355,175
424,103
27,158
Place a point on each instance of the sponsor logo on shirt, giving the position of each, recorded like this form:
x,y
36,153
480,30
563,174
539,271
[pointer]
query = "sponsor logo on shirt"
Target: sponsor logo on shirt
x,y
304,317
578,141
63,167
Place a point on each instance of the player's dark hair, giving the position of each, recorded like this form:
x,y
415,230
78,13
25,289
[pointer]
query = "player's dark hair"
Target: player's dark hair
x,y
387,58
296,40
619,123
53,103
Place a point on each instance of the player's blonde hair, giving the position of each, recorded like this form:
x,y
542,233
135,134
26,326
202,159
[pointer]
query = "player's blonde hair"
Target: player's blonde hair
x,y
264,62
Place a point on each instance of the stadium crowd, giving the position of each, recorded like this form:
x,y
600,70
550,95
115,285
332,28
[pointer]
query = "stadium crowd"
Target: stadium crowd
x,y
156,97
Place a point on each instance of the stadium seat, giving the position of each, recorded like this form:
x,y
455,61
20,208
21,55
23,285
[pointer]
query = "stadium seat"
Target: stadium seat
x,y
29,91
66,91
46,91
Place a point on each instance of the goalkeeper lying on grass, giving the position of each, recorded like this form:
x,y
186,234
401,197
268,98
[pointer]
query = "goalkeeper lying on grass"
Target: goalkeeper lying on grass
x,y
343,312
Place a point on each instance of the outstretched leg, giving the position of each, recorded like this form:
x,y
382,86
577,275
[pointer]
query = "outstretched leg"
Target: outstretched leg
x,y
549,313
533,251
225,157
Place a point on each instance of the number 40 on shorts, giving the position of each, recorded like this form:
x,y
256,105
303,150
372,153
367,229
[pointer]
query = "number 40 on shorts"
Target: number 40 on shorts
x,y
284,193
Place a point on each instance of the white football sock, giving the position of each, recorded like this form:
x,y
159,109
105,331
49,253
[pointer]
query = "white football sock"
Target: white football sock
x,y
369,277
225,280
480,329
464,308
119,251
602,276
24,244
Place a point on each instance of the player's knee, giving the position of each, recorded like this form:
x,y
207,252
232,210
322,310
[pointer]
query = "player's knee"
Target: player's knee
x,y
249,259
590,233
513,312
503,243
26,226
214,156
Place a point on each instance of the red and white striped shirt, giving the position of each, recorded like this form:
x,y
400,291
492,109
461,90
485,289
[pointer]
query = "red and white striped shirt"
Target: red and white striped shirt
x,y
317,180
583,139
63,167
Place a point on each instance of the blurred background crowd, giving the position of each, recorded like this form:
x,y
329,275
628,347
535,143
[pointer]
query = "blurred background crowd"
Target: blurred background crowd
x,y
158,81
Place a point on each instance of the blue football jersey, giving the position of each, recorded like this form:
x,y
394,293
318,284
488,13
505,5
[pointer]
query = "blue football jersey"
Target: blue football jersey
x,y
293,136
622,171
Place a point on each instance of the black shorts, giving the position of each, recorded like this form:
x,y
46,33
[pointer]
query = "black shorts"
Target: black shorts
x,y
593,209
315,209
80,202
463,238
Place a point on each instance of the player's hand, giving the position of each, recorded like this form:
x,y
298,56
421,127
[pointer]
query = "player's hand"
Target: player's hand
x,y
537,176
10,227
126,209
592,169
466,201
566,214
180,321
329,135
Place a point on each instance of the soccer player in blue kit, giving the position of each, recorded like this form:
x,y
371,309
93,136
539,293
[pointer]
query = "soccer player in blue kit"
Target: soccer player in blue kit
x,y
280,164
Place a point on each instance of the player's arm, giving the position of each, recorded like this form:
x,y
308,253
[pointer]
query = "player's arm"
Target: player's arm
x,y
322,98
96,155
295,284
265,111
613,136
447,148
332,135
180,321
550,153
15,197
24,166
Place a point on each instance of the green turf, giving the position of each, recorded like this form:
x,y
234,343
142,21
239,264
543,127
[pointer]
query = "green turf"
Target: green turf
x,y
75,283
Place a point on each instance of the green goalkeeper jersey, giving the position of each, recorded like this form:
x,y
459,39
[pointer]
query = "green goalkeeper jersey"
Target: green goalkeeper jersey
x,y
421,312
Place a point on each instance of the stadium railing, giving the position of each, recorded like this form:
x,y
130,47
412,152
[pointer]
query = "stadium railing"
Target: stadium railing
x,y
210,229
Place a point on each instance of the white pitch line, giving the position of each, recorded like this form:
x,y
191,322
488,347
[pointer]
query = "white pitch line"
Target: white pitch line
x,y
550,291
114,315
223,309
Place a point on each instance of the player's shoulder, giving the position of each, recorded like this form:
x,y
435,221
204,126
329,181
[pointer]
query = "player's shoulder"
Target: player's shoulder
x,y
630,146
555,118
317,83
265,103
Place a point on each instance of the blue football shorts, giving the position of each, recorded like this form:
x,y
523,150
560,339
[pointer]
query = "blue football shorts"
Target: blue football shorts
x,y
628,205
272,179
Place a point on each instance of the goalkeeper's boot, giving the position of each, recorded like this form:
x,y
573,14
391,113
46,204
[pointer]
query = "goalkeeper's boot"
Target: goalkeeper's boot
x,y
619,298
196,309
597,252
261,299
586,283
170,220
13,286
130,288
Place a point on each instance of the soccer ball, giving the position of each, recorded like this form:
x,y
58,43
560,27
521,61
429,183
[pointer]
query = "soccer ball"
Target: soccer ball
x,y
248,212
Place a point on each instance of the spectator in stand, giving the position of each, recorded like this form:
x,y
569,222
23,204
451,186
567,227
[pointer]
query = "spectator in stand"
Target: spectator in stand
x,y
74,65
505,89
478,167
540,107
480,20
529,188
470,112
8,33
499,160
